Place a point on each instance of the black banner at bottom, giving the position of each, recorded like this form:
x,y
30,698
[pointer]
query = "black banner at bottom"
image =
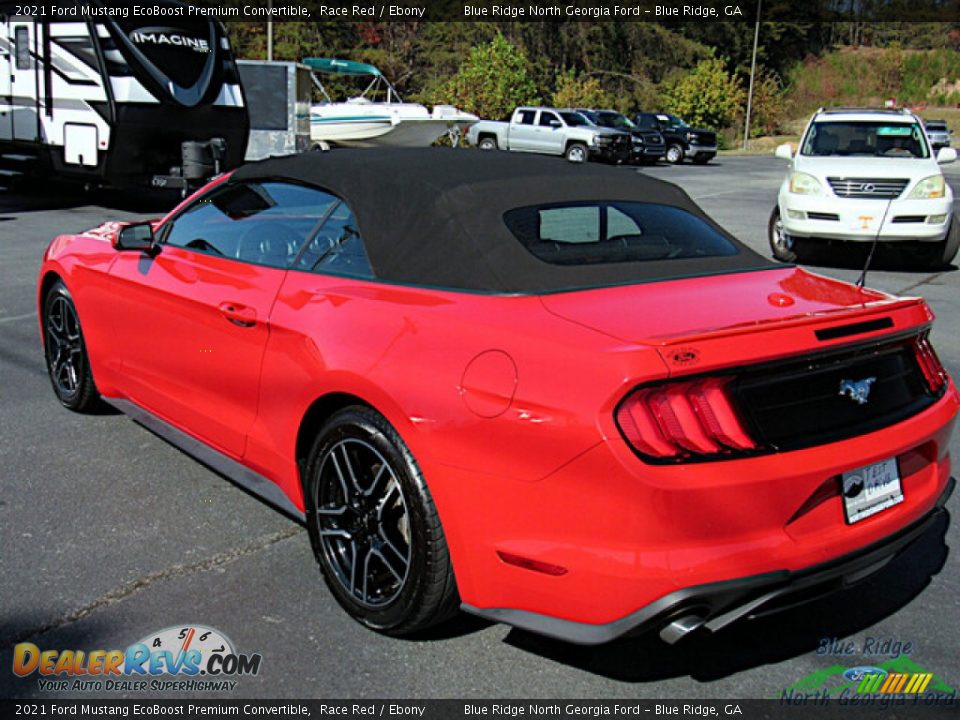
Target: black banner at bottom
x,y
857,707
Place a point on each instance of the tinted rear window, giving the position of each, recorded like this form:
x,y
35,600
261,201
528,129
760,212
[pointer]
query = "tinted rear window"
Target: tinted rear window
x,y
586,233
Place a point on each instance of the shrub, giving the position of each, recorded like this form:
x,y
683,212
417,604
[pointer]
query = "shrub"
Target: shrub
x,y
707,96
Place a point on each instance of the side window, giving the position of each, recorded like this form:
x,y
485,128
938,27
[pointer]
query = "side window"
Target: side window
x,y
22,47
548,117
525,117
264,223
337,247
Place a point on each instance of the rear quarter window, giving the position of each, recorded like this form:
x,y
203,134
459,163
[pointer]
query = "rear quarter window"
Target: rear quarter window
x,y
587,233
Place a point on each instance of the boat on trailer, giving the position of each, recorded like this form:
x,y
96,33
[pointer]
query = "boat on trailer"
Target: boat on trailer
x,y
378,117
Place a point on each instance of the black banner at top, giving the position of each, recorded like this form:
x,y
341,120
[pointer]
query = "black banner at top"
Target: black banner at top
x,y
496,10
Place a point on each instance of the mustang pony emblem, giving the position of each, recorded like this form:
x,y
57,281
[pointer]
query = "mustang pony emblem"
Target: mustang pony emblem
x,y
857,390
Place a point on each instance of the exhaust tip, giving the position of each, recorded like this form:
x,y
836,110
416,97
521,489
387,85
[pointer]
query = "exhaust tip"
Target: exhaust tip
x,y
680,628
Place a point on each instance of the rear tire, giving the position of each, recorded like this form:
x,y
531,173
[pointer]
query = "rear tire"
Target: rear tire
x,y
488,143
68,363
373,526
783,246
702,159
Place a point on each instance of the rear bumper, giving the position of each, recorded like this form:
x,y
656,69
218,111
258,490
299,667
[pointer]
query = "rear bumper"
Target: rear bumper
x,y
713,606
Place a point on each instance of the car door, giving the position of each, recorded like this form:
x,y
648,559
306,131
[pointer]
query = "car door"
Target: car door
x,y
195,316
550,133
523,131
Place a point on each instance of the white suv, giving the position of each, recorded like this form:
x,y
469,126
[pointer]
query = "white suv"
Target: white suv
x,y
861,174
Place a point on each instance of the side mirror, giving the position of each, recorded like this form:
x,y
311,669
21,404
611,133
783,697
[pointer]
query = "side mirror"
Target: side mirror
x,y
784,152
138,236
946,156
555,124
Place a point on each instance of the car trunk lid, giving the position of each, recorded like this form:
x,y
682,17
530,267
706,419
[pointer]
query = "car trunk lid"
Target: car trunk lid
x,y
706,323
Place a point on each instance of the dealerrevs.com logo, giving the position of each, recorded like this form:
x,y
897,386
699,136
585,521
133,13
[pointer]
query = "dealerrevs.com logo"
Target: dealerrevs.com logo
x,y
179,658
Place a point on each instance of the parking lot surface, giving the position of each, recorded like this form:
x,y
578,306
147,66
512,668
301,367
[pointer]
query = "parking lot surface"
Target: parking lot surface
x,y
108,534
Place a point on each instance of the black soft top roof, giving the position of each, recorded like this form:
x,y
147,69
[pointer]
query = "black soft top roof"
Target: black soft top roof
x,y
434,216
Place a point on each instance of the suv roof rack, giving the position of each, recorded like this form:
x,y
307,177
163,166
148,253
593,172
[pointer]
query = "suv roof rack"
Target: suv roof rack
x,y
879,111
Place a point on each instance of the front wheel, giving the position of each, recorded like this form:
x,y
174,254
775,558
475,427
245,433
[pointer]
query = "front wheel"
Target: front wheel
x,y
674,155
941,254
783,246
374,528
576,153
66,353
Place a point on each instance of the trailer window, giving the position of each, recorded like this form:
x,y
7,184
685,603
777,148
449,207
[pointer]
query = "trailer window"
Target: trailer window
x,y
22,42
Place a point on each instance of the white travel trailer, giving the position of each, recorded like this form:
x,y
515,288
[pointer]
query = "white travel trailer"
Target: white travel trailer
x,y
111,99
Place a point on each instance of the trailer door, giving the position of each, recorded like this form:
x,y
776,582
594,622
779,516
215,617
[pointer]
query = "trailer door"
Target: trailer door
x,y
6,69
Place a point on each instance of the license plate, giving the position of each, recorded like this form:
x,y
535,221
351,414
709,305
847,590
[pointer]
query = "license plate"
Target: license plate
x,y
864,222
871,489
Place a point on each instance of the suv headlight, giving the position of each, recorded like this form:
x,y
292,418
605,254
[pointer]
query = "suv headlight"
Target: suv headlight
x,y
802,183
929,188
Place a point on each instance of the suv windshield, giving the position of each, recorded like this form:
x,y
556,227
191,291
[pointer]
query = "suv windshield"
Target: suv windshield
x,y
865,138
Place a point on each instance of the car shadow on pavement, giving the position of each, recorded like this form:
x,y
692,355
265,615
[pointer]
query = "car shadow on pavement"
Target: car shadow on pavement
x,y
752,643
902,257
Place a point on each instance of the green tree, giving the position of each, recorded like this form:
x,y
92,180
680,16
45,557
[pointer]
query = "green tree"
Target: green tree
x,y
708,95
583,91
492,81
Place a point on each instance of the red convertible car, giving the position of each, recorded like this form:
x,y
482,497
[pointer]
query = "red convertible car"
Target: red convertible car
x,y
559,397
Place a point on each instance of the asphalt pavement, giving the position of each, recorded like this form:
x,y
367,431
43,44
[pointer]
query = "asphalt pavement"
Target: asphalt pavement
x,y
108,534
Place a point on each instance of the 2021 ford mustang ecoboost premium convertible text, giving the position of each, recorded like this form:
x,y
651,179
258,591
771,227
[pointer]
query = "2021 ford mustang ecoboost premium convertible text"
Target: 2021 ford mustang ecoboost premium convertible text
x,y
560,397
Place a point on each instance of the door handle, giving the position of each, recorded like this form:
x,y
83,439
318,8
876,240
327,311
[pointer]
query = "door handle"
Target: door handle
x,y
238,314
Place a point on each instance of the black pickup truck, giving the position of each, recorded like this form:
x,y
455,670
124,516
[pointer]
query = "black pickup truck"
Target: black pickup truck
x,y
682,140
647,145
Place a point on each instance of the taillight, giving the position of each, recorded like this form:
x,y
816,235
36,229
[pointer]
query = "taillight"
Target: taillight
x,y
933,371
688,420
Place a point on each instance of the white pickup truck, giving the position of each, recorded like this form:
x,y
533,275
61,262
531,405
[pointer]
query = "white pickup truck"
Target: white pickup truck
x,y
552,132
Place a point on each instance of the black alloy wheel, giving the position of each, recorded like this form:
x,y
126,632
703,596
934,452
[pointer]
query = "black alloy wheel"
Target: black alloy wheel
x,y
66,353
374,528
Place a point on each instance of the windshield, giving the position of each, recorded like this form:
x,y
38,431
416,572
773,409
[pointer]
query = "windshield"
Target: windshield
x,y
865,139
672,121
614,120
573,119
936,126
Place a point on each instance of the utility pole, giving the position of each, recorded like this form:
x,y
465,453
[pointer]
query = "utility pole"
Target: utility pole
x,y
753,71
270,30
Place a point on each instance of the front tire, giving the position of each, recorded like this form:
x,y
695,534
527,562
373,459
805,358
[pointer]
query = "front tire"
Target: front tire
x,y
68,363
674,155
373,526
782,245
576,153
941,254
